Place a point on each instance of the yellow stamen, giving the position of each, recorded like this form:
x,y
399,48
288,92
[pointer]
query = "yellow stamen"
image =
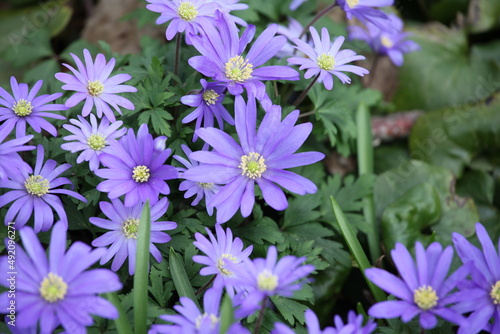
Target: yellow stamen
x,y
425,297
326,62
252,165
141,173
53,288
238,69
95,88
36,185
266,281
187,11
22,108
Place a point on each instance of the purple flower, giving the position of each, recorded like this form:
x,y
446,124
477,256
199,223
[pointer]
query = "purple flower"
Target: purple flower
x,y
199,189
91,138
325,59
354,325
230,5
363,11
423,286
34,194
185,15
136,168
57,290
261,157
296,4
482,295
221,252
208,104
294,30
270,277
191,320
24,108
93,84
392,42
223,60
10,162
124,225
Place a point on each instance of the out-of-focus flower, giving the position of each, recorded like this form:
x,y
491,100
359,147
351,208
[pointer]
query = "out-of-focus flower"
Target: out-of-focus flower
x,y
25,107
10,161
363,10
93,84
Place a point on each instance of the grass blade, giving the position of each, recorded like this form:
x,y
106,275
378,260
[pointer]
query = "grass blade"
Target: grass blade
x,y
226,314
180,277
141,271
122,324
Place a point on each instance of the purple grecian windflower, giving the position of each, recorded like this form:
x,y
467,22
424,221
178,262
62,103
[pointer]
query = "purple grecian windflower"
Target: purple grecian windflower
x,y
392,42
325,59
57,290
220,252
136,168
185,15
363,11
423,286
93,84
268,277
200,189
191,320
223,60
354,325
208,104
482,295
34,193
124,225
261,157
25,107
10,161
91,138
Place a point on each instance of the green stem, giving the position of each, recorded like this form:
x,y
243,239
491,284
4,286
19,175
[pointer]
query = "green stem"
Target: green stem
x,y
304,93
177,53
122,324
317,17
365,167
261,316
203,288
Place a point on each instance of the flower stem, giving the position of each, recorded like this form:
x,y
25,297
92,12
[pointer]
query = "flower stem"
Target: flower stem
x,y
304,93
261,316
203,288
317,17
177,53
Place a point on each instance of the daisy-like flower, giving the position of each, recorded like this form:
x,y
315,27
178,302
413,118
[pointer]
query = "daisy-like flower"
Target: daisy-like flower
x,y
191,320
220,252
354,325
25,107
124,225
270,277
363,10
57,290
91,138
93,84
10,161
223,59
261,157
481,296
200,189
325,59
423,287
34,193
185,15
136,168
208,104
393,42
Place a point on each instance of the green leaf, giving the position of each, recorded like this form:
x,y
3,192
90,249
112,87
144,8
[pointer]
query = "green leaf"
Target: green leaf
x,y
180,278
260,230
301,210
356,249
408,198
484,15
447,70
290,309
226,314
453,137
141,271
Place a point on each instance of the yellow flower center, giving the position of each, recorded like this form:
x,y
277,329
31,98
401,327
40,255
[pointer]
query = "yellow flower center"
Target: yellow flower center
x,y
220,264
326,62
95,88
205,185
141,173
266,281
386,41
495,293
96,142
130,228
214,320
36,185
187,11
252,165
53,288
210,96
352,3
425,297
22,108
238,69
